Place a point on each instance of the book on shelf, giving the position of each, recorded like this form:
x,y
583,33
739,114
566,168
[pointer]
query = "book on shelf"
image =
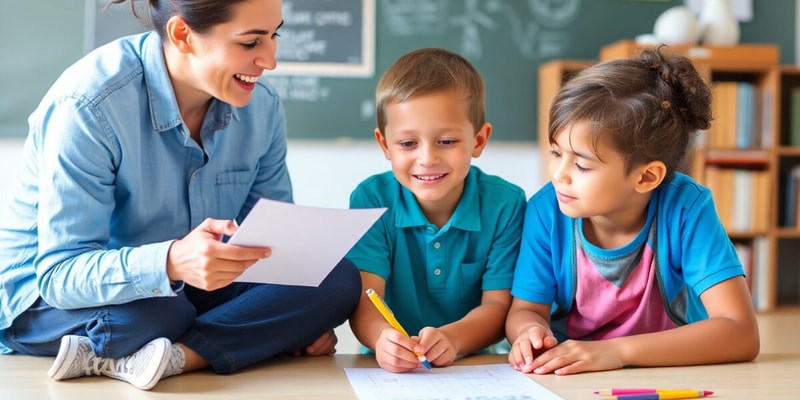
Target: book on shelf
x,y
742,200
740,197
754,256
760,271
794,118
762,187
720,191
765,113
722,134
745,116
745,253
735,112
791,198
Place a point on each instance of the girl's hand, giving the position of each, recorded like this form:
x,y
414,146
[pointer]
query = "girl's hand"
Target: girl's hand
x,y
533,340
574,356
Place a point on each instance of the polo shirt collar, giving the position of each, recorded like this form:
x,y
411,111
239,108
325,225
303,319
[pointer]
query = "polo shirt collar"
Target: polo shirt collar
x,y
466,215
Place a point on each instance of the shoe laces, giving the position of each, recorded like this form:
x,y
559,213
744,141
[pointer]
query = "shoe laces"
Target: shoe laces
x,y
110,366
97,365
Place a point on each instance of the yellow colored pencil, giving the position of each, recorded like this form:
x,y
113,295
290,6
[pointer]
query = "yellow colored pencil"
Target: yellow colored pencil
x,y
388,315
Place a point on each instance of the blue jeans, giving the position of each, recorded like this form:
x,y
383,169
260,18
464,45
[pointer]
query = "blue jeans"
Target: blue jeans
x,y
231,328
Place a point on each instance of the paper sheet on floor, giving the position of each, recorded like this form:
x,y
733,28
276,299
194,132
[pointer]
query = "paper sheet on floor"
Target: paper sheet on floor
x,y
493,381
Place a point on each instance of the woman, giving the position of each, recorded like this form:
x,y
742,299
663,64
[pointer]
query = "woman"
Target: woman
x,y
138,160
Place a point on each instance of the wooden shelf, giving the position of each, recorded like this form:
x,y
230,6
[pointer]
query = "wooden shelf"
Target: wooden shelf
x,y
745,57
787,233
738,157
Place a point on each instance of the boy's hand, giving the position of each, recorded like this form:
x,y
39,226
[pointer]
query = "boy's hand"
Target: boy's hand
x,y
395,351
574,356
533,340
441,350
201,260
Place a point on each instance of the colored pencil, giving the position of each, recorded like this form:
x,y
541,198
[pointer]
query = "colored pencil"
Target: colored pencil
x,y
662,395
627,391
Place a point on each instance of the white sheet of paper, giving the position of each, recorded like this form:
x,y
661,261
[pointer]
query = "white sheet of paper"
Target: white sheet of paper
x,y
493,381
306,242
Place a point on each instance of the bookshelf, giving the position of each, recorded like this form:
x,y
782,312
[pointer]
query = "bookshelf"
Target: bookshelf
x,y
749,158
786,274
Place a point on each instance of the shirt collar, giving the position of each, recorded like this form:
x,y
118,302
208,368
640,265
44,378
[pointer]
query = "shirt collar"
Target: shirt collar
x,y
466,215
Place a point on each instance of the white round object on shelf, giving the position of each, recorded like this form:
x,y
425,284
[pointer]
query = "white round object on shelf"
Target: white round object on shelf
x,y
718,24
677,25
647,38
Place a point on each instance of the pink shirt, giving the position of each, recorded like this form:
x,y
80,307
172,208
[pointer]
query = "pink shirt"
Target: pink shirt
x,y
603,310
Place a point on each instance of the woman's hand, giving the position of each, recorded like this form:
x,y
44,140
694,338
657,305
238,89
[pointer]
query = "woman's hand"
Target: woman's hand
x,y
202,260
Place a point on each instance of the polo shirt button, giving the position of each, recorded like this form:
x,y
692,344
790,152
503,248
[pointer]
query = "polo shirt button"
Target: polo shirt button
x,y
156,291
437,245
437,272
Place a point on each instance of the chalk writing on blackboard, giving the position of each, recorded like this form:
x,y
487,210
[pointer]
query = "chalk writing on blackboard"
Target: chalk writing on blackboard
x,y
299,88
539,33
415,17
327,38
555,14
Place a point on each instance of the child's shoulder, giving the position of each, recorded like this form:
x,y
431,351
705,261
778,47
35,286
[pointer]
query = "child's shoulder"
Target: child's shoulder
x,y
545,195
380,187
489,182
378,180
683,189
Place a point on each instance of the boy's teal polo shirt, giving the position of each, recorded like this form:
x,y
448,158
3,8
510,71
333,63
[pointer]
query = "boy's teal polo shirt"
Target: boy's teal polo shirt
x,y
436,276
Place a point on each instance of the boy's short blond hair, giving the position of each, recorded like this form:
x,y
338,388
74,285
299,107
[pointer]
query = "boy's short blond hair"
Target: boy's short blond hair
x,y
431,70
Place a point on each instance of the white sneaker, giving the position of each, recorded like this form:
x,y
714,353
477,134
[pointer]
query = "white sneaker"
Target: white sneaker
x,y
142,369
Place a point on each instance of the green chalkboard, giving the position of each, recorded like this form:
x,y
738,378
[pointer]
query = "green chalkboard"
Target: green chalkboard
x,y
507,40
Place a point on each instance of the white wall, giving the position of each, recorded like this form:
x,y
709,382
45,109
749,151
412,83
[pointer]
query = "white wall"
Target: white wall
x,y
324,173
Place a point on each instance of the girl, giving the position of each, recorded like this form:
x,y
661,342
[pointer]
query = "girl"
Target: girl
x,y
623,260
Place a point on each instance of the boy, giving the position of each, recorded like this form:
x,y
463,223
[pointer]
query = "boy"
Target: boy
x,y
443,254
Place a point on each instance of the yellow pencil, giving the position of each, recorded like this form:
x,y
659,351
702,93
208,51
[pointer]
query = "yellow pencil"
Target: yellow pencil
x,y
388,315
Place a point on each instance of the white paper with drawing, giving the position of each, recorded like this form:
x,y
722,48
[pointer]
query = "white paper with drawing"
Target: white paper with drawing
x,y
493,381
306,242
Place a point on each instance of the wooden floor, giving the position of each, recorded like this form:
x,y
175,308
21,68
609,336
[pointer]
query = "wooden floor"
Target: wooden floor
x,y
24,377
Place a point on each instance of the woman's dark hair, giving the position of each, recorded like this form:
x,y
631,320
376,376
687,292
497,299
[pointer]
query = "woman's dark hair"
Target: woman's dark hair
x,y
648,106
200,15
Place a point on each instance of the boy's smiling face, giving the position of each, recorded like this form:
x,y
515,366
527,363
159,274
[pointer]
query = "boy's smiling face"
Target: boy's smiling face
x,y
430,142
